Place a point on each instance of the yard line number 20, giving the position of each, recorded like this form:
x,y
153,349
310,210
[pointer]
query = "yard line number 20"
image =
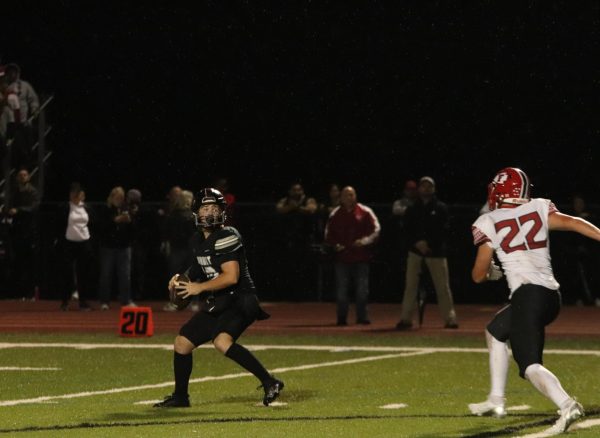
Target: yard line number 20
x,y
514,226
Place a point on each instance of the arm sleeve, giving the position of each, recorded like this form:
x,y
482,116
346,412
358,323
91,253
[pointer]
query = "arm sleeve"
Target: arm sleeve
x,y
32,100
479,237
330,229
228,242
375,226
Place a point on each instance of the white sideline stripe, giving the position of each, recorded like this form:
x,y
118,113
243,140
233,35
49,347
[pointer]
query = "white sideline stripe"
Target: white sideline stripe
x,y
394,406
147,402
519,408
275,404
207,379
534,435
258,347
77,346
585,424
29,369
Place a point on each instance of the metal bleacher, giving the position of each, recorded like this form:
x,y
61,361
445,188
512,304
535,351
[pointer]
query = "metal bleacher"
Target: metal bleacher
x,y
41,130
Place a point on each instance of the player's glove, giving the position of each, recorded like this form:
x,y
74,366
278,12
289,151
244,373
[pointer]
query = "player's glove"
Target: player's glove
x,y
494,272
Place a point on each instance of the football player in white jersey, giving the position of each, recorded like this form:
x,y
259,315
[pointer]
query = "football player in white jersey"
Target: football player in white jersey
x,y
516,230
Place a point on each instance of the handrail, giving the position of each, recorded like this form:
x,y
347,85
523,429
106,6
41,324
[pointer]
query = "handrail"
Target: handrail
x,y
42,156
3,181
37,143
35,170
42,106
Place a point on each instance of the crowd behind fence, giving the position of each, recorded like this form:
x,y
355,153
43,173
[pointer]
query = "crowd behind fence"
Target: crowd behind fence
x,y
280,277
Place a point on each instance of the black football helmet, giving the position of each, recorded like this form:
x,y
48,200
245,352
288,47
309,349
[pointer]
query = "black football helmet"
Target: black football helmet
x,y
209,196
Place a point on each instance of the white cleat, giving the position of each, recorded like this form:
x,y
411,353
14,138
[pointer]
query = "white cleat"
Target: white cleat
x,y
567,417
487,409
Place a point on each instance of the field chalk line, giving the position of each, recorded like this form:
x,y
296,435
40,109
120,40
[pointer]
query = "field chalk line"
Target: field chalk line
x,y
44,399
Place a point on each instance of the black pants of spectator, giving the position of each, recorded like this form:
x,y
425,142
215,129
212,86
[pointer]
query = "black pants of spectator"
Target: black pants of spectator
x,y
298,269
25,264
22,143
77,260
139,257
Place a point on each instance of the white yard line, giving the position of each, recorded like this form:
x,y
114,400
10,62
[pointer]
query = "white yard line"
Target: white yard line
x,y
518,408
29,369
330,348
45,399
585,424
394,406
581,425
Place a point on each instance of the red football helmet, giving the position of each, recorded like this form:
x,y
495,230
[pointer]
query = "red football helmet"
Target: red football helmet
x,y
510,186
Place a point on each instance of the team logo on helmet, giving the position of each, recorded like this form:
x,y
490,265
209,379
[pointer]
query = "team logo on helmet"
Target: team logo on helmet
x,y
510,187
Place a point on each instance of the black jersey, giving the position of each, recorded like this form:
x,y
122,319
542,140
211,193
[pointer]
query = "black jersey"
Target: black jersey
x,y
219,247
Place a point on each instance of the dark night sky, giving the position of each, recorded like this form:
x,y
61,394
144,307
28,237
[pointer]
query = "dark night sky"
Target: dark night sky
x,y
150,96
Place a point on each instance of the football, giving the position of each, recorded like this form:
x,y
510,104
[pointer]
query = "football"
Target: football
x,y
180,302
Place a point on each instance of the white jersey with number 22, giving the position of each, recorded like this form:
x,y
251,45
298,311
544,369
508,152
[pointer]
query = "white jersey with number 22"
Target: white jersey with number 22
x,y
519,236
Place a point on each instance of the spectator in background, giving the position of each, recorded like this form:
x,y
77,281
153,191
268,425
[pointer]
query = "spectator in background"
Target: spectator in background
x,y
180,227
222,185
332,201
23,103
351,231
297,230
583,259
22,208
6,115
171,197
409,196
75,249
296,201
115,234
426,226
320,250
395,234
139,240
163,213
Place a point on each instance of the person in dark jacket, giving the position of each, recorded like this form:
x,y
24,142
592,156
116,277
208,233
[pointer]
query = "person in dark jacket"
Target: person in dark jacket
x,y
426,225
115,232
22,209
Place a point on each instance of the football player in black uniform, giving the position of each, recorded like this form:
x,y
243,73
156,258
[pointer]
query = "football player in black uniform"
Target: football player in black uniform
x,y
219,275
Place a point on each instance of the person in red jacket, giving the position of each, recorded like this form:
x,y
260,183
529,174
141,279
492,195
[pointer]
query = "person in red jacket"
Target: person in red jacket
x,y
351,230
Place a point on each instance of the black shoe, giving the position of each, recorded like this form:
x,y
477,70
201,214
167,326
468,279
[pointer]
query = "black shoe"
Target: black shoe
x,y
272,391
174,401
451,325
404,325
363,321
341,322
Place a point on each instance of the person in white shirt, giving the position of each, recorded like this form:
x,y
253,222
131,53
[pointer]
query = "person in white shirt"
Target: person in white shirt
x,y
76,248
516,230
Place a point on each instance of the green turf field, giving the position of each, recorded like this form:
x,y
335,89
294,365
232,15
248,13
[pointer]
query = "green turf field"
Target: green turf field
x,y
331,389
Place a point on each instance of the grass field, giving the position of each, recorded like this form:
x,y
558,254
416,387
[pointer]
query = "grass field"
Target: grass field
x,y
100,385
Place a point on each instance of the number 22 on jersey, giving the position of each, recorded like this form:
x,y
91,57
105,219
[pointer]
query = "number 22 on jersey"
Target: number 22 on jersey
x,y
514,226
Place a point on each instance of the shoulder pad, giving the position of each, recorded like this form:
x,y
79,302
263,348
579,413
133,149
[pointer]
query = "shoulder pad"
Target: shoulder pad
x,y
228,240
